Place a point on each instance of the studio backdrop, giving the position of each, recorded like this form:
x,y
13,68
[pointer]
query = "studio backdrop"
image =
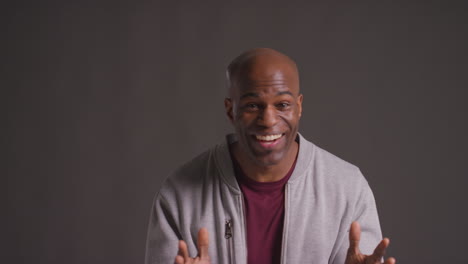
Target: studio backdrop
x,y
105,98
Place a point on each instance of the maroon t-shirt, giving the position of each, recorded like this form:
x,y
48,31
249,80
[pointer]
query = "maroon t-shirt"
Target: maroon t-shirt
x,y
264,213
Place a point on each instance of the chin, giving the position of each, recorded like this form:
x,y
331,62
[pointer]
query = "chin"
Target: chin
x,y
268,160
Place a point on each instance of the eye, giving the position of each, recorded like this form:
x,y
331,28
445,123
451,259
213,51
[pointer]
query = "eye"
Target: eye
x,y
283,105
251,106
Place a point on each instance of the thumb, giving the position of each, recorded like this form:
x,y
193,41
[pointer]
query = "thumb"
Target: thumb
x,y
354,237
203,241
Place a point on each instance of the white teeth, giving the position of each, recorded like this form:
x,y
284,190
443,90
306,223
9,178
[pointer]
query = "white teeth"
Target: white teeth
x,y
269,137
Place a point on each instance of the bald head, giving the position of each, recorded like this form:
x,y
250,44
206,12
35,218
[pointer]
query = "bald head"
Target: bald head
x,y
264,100
262,65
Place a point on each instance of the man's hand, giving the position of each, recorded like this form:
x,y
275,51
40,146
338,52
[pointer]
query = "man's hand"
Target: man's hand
x,y
202,243
356,257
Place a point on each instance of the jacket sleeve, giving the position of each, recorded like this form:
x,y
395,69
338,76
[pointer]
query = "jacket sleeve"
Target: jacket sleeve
x,y
365,213
163,235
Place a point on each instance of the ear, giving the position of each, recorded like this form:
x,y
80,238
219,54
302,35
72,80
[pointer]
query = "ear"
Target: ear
x,y
228,105
299,104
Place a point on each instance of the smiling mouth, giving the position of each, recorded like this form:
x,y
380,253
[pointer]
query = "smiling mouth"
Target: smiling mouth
x,y
268,138
268,141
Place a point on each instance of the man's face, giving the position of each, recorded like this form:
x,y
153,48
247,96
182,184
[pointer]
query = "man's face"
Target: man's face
x,y
265,108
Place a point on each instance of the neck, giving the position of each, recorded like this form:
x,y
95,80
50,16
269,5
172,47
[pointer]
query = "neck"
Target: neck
x,y
265,173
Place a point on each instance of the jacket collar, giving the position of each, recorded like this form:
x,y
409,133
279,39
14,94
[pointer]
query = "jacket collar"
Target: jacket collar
x,y
225,167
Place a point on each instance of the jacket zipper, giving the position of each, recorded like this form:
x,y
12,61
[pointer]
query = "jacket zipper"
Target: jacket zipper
x,y
228,236
242,206
228,229
285,224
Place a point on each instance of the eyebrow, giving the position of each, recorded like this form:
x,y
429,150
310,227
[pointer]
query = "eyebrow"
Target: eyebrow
x,y
251,94
284,92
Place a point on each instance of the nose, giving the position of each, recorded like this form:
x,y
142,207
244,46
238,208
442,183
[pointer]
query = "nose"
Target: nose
x,y
267,117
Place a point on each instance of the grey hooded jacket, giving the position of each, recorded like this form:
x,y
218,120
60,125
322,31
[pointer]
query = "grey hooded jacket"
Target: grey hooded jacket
x,y
322,197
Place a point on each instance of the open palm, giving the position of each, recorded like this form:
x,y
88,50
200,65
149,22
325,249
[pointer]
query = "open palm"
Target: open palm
x,y
355,256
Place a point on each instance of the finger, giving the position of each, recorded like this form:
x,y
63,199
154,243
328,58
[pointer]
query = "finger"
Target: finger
x,y
354,236
183,251
179,259
379,251
390,261
203,241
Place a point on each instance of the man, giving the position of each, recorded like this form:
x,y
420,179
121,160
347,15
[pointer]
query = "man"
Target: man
x,y
266,194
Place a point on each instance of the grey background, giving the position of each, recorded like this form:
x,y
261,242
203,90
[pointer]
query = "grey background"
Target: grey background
x,y
105,98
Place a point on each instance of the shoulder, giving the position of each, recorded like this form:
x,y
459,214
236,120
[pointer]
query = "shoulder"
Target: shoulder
x,y
337,183
189,175
203,170
325,166
335,165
